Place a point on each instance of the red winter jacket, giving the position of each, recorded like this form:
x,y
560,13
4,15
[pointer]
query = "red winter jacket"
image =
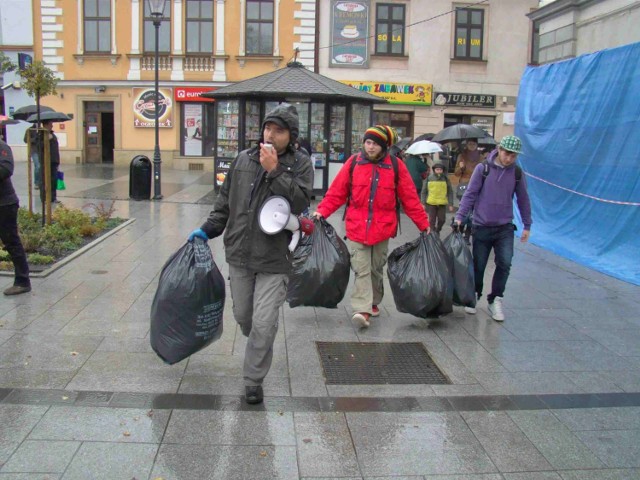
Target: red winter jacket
x,y
371,214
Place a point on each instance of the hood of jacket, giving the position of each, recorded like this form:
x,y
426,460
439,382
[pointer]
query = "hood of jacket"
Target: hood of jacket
x,y
286,116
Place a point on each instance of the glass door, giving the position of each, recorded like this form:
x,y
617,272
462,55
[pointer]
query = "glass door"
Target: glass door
x,y
226,139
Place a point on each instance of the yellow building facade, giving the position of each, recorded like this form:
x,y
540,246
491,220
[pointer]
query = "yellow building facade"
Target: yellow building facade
x,y
103,53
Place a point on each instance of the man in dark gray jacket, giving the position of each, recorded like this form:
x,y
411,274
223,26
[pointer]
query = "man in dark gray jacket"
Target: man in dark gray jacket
x,y
259,264
9,224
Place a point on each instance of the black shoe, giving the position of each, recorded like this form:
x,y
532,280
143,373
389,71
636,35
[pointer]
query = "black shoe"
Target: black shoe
x,y
253,395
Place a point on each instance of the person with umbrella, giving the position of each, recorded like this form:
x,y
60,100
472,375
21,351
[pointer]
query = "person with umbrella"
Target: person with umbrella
x,y
466,163
54,159
419,161
9,205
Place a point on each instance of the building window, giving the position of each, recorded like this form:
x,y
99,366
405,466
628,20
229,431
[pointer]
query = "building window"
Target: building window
x,y
535,44
469,33
390,29
199,32
259,27
164,34
97,26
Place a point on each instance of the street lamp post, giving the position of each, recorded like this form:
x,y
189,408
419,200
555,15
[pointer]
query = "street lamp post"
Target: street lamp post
x,y
157,12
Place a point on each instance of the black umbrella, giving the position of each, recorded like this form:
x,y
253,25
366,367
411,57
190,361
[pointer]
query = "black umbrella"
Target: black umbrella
x,y
487,141
4,120
49,117
404,143
460,131
25,112
424,136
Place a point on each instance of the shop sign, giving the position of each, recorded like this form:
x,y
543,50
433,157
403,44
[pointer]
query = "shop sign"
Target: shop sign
x,y
192,94
144,107
465,100
396,93
349,34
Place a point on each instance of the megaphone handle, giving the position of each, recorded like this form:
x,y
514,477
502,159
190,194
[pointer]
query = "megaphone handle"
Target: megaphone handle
x,y
295,237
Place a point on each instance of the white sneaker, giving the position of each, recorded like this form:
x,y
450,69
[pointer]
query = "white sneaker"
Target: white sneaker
x,y
470,310
361,319
496,311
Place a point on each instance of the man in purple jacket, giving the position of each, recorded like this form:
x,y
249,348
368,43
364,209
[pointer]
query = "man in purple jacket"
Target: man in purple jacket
x,y
490,197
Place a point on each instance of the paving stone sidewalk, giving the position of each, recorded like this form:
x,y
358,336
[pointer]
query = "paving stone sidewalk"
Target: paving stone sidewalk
x,y
552,393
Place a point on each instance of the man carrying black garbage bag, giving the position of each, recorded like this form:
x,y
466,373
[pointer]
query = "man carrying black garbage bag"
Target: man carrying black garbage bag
x,y
259,264
490,197
9,224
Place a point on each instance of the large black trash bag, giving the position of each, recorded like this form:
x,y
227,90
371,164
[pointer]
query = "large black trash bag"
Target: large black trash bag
x,y
321,269
420,277
464,288
186,313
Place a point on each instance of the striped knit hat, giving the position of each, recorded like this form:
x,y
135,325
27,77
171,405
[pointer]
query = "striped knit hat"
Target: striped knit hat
x,y
383,135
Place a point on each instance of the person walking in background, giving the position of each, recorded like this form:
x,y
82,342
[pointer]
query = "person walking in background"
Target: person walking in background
x,y
259,264
490,197
466,163
30,138
418,169
371,183
54,153
436,195
9,205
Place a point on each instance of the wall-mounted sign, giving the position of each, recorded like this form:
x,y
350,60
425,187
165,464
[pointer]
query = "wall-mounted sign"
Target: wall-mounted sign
x,y
144,107
349,34
192,94
396,93
465,100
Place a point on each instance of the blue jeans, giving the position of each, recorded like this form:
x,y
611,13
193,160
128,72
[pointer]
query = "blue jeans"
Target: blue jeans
x,y
501,240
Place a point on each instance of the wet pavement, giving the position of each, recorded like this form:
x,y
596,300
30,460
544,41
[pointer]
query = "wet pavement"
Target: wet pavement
x,y
552,393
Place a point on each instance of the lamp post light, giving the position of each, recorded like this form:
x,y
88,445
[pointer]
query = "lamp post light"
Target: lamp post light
x,y
157,12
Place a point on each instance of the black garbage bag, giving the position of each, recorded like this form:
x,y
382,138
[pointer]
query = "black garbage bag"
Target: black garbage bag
x,y
464,288
321,269
186,313
420,277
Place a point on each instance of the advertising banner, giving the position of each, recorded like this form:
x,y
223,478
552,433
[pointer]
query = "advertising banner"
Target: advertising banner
x,y
192,94
144,107
396,93
349,34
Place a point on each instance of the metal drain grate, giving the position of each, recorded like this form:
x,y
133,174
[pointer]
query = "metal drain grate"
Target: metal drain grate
x,y
196,167
354,363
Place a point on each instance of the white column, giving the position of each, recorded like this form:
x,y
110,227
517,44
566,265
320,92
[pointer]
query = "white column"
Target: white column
x,y
80,46
134,63
243,10
177,72
114,47
219,72
276,22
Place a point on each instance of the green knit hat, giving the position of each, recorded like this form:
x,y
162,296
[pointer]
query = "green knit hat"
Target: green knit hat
x,y
511,143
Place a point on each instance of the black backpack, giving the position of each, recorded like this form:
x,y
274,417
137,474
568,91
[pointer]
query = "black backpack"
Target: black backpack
x,y
485,174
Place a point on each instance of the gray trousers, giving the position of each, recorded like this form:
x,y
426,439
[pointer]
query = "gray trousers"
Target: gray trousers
x,y
257,298
367,262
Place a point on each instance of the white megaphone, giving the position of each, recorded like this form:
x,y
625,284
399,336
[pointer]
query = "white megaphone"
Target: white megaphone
x,y
275,216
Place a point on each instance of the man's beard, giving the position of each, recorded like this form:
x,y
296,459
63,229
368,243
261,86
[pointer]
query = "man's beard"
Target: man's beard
x,y
379,157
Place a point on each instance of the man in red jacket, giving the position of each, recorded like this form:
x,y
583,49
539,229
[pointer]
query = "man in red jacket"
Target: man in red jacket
x,y
369,189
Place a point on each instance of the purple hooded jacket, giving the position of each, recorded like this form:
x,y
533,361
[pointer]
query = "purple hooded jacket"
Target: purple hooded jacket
x,y
492,203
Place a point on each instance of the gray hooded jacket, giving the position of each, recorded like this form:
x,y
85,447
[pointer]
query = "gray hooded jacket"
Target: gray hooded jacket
x,y
245,190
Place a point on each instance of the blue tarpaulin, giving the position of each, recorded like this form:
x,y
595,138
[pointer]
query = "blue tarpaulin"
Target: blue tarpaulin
x,y
579,121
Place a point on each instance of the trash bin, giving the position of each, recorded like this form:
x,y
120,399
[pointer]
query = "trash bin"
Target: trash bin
x,y
140,178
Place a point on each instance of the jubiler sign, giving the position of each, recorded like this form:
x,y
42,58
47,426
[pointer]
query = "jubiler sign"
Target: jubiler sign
x,y
465,100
